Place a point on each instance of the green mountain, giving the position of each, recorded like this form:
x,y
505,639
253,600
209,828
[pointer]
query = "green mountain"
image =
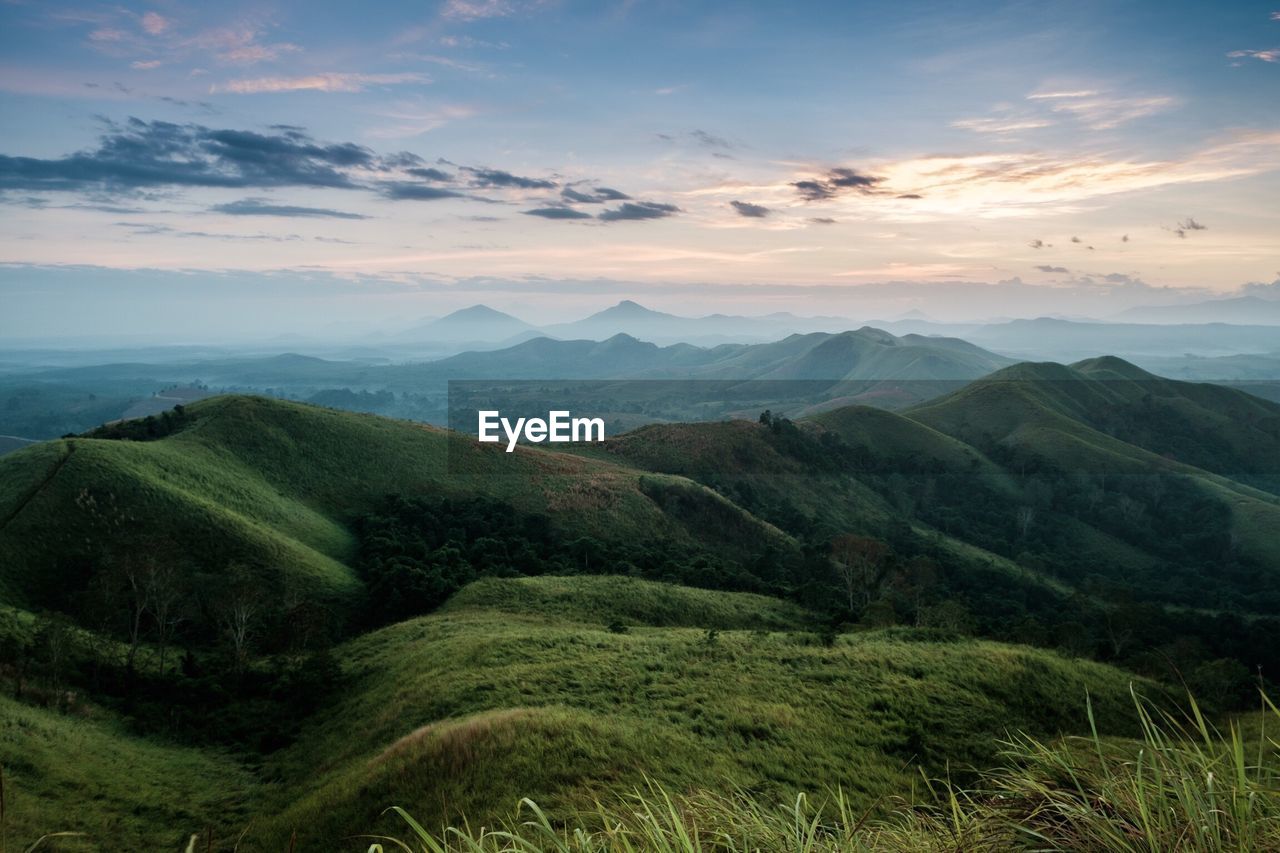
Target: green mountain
x,y
274,486
298,617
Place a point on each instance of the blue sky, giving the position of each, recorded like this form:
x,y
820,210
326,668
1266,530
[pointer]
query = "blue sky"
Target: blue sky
x,y
1096,154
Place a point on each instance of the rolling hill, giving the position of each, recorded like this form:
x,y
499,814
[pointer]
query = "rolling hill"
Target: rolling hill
x,y
517,688
936,577
271,485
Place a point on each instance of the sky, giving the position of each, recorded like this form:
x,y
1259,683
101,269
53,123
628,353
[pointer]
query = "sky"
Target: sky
x,y
257,165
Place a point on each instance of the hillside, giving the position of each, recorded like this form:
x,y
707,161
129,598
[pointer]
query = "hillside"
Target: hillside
x,y
274,486
468,710
1085,474
226,589
518,687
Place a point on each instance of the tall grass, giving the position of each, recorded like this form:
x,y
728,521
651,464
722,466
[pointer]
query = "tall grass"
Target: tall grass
x,y
1185,785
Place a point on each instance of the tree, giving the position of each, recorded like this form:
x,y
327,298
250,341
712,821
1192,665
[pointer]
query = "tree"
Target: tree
x,y
237,614
859,563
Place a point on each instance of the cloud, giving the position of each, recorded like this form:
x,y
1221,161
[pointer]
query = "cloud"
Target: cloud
x,y
1272,55
1101,111
497,178
751,211
1053,96
1000,125
332,82
430,174
1047,268
1185,227
1004,184
557,213
595,195
155,23
140,155
238,45
822,220
148,65
710,140
477,10
1036,244
836,182
260,207
639,210
405,191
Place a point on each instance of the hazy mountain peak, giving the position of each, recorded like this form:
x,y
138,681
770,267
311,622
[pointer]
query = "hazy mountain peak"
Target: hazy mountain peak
x,y
479,312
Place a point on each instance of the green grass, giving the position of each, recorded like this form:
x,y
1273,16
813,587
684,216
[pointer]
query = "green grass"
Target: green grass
x,y
507,693
629,602
1183,785
84,773
271,484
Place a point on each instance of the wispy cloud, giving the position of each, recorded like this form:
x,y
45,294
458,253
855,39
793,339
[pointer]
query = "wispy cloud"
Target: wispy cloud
x,y
474,10
639,210
331,82
1000,125
557,213
408,118
155,24
1272,55
262,207
1099,110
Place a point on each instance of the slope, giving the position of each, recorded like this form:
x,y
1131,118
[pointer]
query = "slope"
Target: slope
x,y
273,486
466,711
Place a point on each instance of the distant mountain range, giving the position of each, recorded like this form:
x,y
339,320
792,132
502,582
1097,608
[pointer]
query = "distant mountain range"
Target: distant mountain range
x,y
481,324
1247,310
1245,325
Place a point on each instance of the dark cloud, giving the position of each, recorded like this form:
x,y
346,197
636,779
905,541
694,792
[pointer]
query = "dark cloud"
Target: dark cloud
x,y
405,191
639,210
140,155
837,182
1036,244
497,178
594,195
751,211
1182,229
910,195
260,207
557,213
1047,268
1124,239
822,220
1076,240
430,174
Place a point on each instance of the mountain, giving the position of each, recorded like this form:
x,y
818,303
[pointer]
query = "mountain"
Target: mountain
x,y
631,318
1242,310
1068,339
814,369
296,617
479,323
272,484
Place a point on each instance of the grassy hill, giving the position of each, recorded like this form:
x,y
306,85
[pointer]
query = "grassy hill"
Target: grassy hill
x,y
519,687
274,486
86,773
465,711
937,579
